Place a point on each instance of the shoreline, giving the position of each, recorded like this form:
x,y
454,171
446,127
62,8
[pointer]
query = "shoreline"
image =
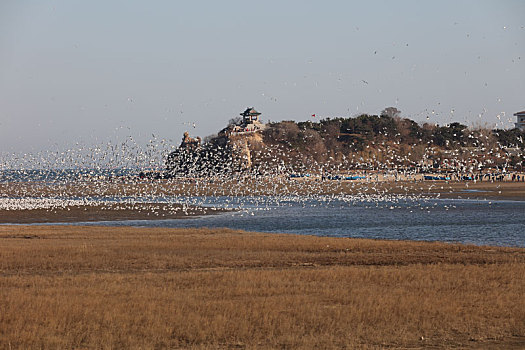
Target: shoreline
x,y
61,211
249,186
114,212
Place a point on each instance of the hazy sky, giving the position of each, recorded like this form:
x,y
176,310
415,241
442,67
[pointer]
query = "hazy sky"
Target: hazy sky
x,y
96,70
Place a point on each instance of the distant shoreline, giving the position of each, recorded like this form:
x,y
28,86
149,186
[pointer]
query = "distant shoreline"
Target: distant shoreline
x,y
264,186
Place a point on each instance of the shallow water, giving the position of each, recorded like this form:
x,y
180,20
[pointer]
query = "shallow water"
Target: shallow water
x,y
499,223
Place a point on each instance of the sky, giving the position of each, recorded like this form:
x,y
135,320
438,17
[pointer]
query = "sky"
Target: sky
x,y
91,71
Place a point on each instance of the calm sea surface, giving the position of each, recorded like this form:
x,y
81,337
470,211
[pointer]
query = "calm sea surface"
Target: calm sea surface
x,y
467,221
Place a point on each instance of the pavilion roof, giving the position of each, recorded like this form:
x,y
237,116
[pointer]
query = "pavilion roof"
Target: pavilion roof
x,y
250,111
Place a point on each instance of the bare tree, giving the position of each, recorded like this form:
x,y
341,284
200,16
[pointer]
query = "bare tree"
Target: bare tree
x,y
234,121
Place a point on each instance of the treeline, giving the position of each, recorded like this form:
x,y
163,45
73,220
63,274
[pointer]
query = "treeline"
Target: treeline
x,y
356,133
388,140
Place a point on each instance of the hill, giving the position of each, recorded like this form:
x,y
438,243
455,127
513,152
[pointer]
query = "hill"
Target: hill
x,y
366,142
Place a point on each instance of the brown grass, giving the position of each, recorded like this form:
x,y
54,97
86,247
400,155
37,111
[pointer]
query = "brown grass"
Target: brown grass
x,y
101,287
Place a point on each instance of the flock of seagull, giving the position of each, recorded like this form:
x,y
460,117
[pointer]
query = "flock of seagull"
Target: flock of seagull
x,y
108,177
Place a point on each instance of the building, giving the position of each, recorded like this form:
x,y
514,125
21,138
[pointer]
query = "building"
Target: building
x,y
250,115
250,122
520,123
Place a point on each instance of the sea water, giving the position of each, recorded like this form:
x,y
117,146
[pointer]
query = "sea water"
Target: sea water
x,y
480,222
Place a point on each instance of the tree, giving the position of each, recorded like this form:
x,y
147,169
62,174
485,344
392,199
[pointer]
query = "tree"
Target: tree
x,y
234,121
391,112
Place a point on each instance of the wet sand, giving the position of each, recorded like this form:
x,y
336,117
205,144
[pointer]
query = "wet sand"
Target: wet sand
x,y
469,190
89,213
266,186
156,211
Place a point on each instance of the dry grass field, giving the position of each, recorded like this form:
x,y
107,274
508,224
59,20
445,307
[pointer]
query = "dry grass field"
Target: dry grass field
x,y
64,287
